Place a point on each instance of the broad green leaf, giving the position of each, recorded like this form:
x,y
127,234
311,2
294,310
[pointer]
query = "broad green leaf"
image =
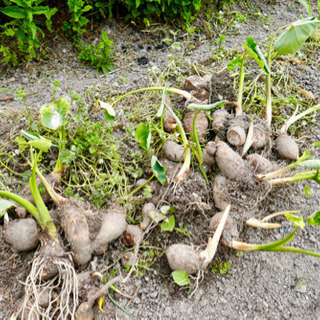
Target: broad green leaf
x,y
51,118
23,145
181,278
293,37
63,106
314,218
310,164
143,135
295,220
206,107
41,144
14,12
108,110
317,144
156,216
4,206
168,224
254,52
235,63
158,170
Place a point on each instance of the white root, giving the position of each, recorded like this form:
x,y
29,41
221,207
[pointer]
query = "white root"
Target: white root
x,y
60,306
213,242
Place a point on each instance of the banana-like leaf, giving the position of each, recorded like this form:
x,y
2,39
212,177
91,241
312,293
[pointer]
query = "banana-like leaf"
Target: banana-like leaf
x,y
41,144
293,37
235,63
310,164
4,206
254,52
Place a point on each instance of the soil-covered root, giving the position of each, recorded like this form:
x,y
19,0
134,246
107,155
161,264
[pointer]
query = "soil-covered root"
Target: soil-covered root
x,y
50,295
220,192
286,147
231,164
173,151
260,164
75,225
112,227
22,234
201,123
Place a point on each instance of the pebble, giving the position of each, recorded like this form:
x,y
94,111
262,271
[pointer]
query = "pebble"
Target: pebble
x,y
153,295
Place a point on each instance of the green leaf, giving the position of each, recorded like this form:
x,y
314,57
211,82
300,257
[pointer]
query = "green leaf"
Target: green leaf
x,y
307,191
293,37
181,278
156,216
206,107
310,164
41,144
23,145
317,144
51,118
63,106
108,110
4,206
14,12
314,218
168,224
235,63
34,136
143,135
167,209
254,52
295,220
158,170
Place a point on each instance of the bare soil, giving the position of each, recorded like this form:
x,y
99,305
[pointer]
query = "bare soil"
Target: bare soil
x,y
257,285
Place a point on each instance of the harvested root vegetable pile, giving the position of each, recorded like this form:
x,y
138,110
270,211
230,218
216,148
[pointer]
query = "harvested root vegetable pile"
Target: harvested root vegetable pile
x,y
201,172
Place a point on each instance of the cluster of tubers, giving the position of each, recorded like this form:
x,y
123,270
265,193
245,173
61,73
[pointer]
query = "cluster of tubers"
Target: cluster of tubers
x,y
236,133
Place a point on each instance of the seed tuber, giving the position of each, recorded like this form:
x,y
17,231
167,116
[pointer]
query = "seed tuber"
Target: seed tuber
x,y
219,123
260,164
220,192
147,208
22,234
132,236
113,226
231,164
75,226
173,151
236,136
286,147
261,137
201,123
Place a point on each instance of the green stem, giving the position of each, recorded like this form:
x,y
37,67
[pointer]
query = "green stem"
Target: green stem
x,y
140,187
22,202
296,250
241,81
195,135
160,133
268,79
45,220
306,175
183,93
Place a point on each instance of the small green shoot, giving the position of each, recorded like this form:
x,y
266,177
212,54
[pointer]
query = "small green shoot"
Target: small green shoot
x,y
181,278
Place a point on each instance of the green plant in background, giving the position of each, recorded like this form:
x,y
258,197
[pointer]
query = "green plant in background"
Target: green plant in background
x,y
25,27
76,26
99,56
